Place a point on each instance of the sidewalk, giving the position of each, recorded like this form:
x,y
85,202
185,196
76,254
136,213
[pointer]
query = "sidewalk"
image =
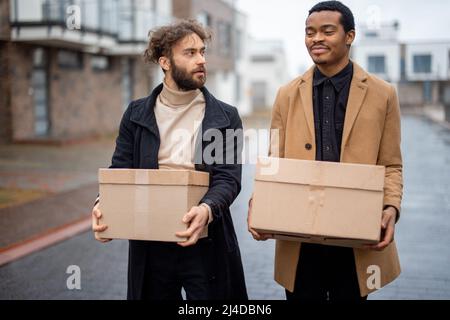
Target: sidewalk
x,y
44,188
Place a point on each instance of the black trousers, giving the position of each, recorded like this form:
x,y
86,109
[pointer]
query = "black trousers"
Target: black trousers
x,y
326,273
172,267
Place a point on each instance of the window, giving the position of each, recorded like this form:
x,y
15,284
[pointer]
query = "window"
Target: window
x,y
127,81
237,88
108,16
239,43
449,60
422,63
259,89
204,18
371,34
262,58
70,59
39,84
377,64
100,63
126,21
427,91
403,68
154,5
224,37
55,10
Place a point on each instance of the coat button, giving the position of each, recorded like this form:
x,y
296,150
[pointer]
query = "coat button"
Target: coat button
x,y
308,146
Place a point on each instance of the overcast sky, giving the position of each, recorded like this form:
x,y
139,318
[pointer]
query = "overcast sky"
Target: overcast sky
x,y
285,20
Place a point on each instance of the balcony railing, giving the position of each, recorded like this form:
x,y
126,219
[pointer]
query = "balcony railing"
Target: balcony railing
x,y
125,20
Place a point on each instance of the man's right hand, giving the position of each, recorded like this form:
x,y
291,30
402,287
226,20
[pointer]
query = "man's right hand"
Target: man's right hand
x,y
256,235
96,227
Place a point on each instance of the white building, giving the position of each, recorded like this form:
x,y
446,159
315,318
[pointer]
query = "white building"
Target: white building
x,y
266,72
242,94
428,61
111,27
419,69
379,51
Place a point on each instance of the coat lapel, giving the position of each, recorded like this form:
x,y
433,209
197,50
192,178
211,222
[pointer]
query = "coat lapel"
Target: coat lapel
x,y
358,89
306,94
144,115
215,116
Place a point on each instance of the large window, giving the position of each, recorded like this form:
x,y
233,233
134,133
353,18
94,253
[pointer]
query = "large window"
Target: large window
x,y
100,63
109,16
259,89
55,10
204,18
70,59
263,58
427,91
127,81
449,60
224,37
39,83
422,63
377,64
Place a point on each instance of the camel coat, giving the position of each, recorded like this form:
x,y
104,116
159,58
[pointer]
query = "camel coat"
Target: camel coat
x,y
371,135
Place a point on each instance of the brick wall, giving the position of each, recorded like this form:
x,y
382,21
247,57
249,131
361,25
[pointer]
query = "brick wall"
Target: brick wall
x,y
5,32
82,102
21,95
5,94
410,94
219,11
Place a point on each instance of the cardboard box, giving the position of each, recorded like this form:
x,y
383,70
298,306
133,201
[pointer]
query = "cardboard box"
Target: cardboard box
x,y
320,202
143,204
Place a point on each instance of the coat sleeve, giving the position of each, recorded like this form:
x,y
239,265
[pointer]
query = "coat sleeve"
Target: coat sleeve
x,y
225,182
390,154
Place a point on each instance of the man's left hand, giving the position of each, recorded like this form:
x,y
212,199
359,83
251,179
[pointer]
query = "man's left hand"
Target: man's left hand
x,y
387,229
196,219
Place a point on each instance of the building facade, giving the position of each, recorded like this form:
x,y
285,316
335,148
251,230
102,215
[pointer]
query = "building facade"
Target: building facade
x,y
221,18
69,68
419,69
267,72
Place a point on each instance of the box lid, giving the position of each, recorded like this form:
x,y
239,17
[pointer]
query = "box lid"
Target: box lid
x,y
153,176
321,173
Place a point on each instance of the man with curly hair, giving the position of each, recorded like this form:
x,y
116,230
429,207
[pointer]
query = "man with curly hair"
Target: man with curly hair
x,y
207,268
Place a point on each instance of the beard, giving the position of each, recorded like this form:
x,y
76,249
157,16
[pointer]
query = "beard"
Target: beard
x,y
186,80
319,61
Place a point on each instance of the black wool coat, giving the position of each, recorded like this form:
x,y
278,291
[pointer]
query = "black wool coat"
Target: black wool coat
x,y
137,146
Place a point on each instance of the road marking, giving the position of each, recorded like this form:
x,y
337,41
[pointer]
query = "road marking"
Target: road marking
x,y
43,240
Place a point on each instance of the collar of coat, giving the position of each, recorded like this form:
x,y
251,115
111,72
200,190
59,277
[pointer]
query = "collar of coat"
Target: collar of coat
x,y
358,73
357,93
143,113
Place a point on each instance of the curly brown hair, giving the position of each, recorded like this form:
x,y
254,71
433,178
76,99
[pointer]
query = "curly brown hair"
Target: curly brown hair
x,y
162,39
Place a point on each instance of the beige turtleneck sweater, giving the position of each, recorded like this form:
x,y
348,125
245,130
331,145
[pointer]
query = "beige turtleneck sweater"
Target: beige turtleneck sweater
x,y
179,115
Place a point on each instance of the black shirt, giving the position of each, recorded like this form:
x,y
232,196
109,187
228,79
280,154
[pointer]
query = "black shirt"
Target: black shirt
x,y
330,96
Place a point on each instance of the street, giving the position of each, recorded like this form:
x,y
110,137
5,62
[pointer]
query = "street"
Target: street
x,y
422,236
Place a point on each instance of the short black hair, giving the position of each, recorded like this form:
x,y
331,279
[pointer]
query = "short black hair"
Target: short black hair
x,y
347,19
